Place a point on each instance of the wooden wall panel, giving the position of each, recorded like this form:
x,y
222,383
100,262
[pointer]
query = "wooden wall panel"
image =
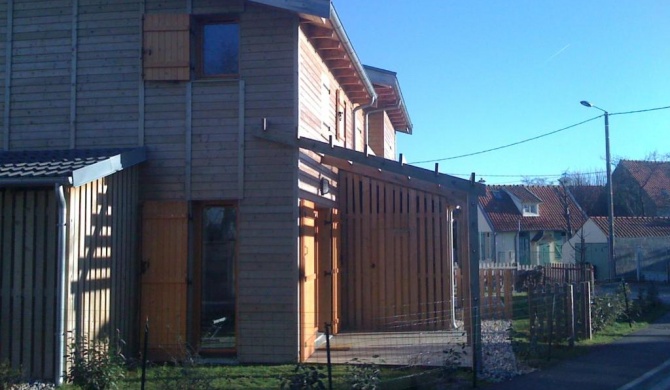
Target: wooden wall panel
x,y
40,119
268,251
28,281
397,257
215,129
102,258
108,69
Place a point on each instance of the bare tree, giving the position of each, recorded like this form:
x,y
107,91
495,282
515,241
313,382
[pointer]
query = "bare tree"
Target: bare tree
x,y
536,181
576,179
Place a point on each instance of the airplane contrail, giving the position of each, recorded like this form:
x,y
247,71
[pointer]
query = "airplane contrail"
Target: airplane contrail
x,y
557,53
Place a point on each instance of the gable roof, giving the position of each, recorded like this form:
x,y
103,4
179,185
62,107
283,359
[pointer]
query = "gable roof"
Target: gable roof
x,y
390,96
75,167
523,194
633,227
592,199
653,177
504,216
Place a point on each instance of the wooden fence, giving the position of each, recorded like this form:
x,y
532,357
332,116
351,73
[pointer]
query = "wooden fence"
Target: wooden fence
x,y
560,312
497,283
568,273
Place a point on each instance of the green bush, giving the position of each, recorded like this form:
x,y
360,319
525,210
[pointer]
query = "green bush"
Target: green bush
x,y
95,364
304,377
363,376
8,376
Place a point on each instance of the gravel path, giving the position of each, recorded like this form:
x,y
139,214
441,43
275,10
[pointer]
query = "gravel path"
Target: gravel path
x,y
499,362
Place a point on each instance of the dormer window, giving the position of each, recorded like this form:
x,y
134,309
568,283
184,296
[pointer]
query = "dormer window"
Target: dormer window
x,y
531,210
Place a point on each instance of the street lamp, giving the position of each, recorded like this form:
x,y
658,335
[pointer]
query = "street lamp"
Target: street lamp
x,y
610,201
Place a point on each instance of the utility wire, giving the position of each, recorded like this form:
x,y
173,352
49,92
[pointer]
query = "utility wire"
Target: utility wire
x,y
639,111
509,145
539,136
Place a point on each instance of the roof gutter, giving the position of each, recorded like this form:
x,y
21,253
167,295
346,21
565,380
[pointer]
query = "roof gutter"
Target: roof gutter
x,y
36,182
397,105
348,47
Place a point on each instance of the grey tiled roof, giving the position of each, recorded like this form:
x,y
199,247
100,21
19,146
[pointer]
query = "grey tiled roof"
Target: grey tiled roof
x,y
64,165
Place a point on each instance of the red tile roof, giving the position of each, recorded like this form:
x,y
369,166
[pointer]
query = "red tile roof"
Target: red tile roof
x,y
653,177
631,227
505,217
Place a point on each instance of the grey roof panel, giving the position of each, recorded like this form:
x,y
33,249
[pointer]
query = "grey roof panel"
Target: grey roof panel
x,y
75,166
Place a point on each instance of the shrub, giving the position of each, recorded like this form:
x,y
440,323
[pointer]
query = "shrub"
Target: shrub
x,y
304,377
529,279
8,376
95,364
363,376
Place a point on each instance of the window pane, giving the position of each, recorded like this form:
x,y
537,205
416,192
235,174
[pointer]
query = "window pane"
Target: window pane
x,y
218,278
220,48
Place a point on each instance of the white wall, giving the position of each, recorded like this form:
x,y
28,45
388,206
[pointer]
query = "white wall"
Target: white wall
x,y
592,235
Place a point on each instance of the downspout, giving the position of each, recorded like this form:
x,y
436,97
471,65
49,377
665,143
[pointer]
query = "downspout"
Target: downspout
x,y
372,103
367,122
62,272
453,278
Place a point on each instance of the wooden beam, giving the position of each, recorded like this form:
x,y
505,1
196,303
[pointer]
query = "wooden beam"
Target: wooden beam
x,y
395,178
316,32
448,182
339,64
328,44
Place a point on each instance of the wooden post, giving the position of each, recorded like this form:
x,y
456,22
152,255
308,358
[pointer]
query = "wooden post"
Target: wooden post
x,y
472,260
587,310
570,311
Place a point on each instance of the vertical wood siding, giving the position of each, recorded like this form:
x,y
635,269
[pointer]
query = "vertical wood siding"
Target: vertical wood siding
x,y
102,246
397,259
28,220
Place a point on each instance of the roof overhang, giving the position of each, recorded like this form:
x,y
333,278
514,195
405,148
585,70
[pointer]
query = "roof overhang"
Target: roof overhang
x,y
66,167
310,7
330,40
390,98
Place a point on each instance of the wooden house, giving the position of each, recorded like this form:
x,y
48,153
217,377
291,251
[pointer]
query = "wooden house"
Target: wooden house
x,y
258,196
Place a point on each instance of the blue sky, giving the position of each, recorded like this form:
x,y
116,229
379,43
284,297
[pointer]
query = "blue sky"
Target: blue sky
x,y
482,74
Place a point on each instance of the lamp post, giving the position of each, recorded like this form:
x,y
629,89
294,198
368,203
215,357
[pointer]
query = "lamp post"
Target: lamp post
x,y
610,200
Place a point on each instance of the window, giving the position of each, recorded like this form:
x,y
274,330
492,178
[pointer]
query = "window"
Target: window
x,y
218,48
530,209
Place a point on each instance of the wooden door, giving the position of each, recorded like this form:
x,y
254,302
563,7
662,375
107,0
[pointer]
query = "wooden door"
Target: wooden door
x,y
308,301
327,240
164,277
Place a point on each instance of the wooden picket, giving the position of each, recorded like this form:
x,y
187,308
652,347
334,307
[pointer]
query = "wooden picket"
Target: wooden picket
x,y
397,258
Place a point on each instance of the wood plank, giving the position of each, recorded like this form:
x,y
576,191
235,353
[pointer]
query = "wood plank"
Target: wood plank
x,y
17,280
51,276
28,286
6,241
417,255
41,257
429,277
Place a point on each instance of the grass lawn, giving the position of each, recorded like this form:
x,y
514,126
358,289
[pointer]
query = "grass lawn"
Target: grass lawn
x,y
270,377
539,354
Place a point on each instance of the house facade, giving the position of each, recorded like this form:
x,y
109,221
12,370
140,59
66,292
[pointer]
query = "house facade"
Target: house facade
x,y
640,247
526,224
263,195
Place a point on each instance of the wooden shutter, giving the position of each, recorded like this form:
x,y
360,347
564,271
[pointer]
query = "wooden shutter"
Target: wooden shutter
x,y
164,277
167,48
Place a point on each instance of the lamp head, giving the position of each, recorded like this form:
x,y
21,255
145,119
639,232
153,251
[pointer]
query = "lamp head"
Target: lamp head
x,y
585,103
